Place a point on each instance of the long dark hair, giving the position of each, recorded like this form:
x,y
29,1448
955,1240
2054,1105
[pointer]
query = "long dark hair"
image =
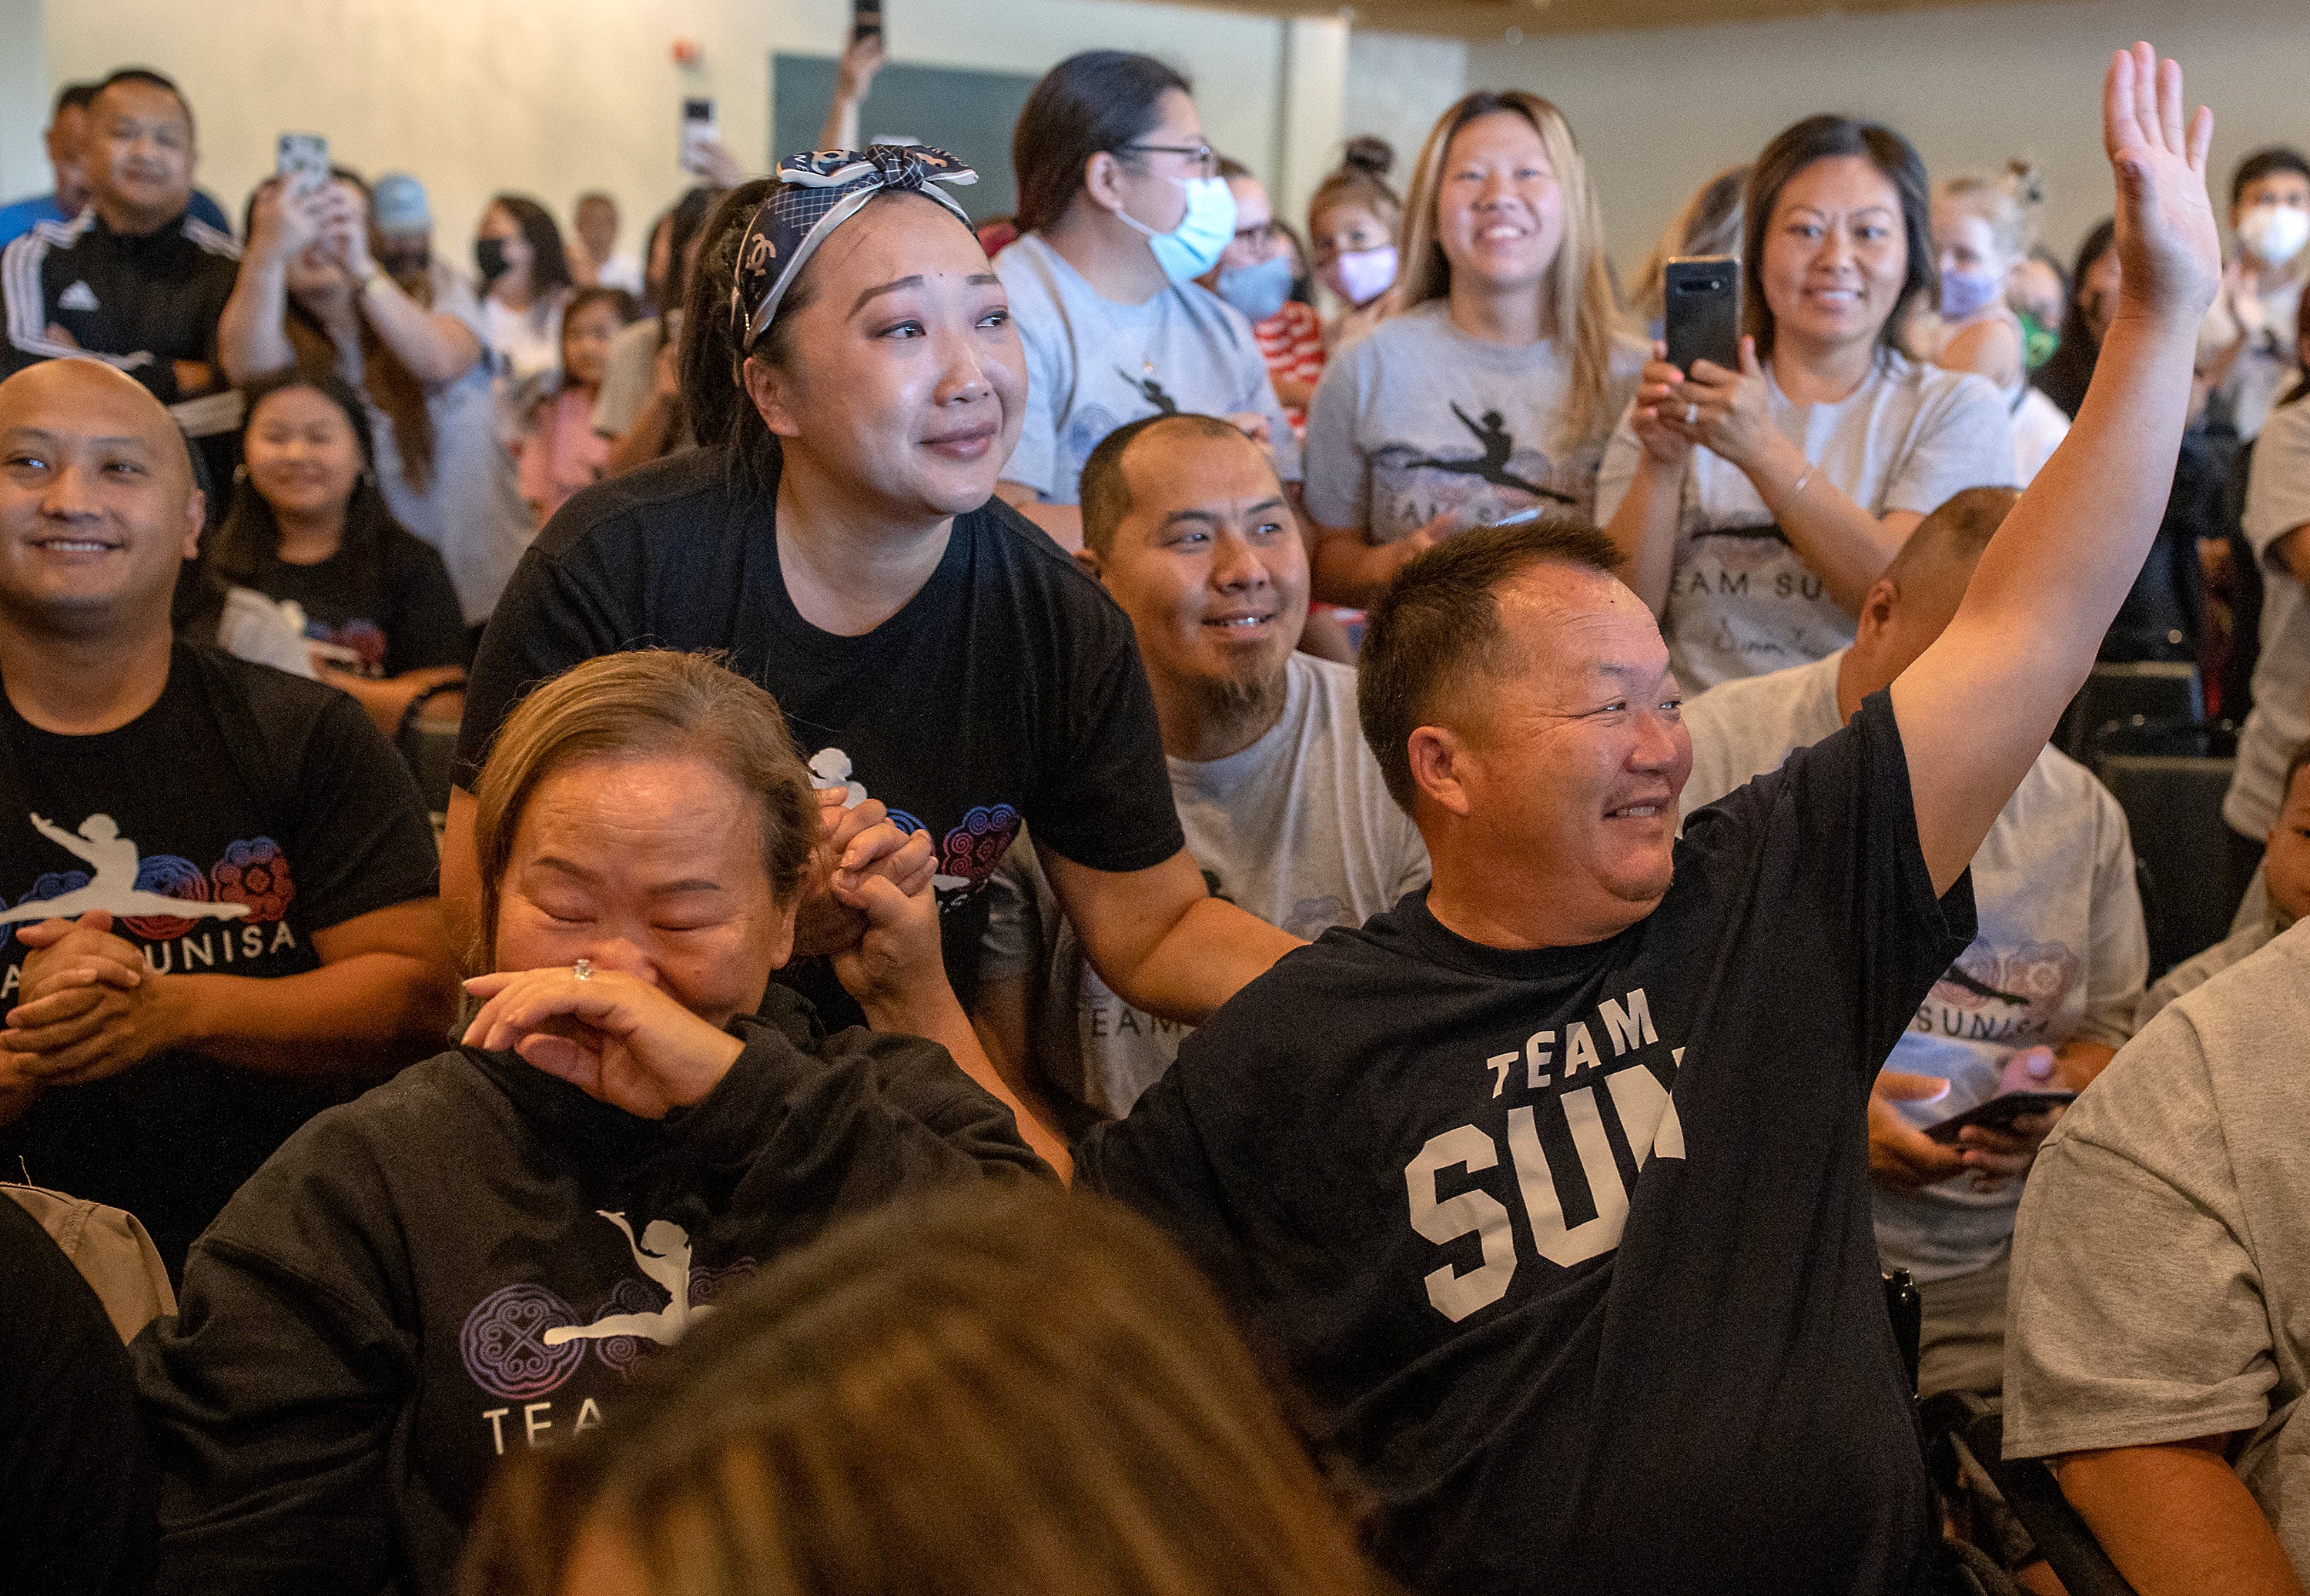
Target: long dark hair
x,y
2064,375
549,266
713,376
251,535
1823,138
1099,100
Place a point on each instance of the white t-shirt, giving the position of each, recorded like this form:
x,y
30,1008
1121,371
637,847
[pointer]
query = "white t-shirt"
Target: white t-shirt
x,y
2059,955
1093,365
1741,603
1297,829
623,270
2161,1267
2277,502
2267,367
524,346
471,507
1417,418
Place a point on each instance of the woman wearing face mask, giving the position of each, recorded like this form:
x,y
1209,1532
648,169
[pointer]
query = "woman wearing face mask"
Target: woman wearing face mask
x,y
1353,222
1121,209
308,524
310,293
525,275
1261,274
1756,506
1492,392
849,360
2247,349
1982,232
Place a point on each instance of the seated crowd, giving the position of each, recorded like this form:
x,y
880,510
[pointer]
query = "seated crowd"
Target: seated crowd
x,y
936,728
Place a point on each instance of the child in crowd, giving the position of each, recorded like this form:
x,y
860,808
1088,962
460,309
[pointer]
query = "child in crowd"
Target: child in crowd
x,y
1983,229
561,452
1352,225
309,525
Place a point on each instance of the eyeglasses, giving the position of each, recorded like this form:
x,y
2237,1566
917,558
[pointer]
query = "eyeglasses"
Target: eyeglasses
x,y
1201,154
1256,237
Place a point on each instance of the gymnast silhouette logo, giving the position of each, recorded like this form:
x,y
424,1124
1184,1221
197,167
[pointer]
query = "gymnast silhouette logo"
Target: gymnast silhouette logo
x,y
1151,391
113,886
663,1254
1500,446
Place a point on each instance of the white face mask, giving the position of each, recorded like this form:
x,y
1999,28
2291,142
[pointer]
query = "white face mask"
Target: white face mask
x,y
2274,234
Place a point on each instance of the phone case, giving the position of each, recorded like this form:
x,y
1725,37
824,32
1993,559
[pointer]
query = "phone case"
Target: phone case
x,y
1703,295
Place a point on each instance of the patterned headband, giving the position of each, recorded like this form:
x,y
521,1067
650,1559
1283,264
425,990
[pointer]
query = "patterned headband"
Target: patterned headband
x,y
816,193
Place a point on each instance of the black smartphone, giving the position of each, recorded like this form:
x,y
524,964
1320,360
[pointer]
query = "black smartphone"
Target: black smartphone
x,y
865,19
1703,310
1999,1112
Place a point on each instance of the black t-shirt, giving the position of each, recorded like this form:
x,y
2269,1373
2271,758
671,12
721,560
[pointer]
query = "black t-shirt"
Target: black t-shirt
x,y
1572,1247
1008,689
76,1486
272,806
399,614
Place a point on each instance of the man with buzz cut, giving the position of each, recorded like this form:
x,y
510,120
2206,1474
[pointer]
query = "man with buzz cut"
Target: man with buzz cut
x,y
1189,529
1550,1186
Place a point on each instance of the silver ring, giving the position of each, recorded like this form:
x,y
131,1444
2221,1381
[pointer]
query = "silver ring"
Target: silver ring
x,y
1691,414
583,970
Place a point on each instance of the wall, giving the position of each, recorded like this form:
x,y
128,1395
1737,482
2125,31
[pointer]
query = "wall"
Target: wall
x,y
556,96
1398,83
1658,111
24,97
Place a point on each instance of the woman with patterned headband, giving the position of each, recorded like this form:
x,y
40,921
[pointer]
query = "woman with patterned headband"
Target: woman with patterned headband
x,y
850,362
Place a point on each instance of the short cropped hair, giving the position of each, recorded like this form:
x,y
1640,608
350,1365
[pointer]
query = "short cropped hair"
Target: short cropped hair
x,y
2261,163
1956,532
72,97
1105,493
646,701
151,80
1439,624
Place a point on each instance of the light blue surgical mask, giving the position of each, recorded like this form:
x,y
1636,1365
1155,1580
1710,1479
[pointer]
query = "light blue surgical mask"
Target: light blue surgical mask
x,y
1194,247
1259,291
1968,293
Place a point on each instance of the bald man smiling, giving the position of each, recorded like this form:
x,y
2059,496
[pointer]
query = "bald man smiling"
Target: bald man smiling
x,y
218,905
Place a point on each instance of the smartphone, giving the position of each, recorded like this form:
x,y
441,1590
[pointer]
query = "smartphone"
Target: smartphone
x,y
1703,310
303,162
865,19
698,128
1999,1112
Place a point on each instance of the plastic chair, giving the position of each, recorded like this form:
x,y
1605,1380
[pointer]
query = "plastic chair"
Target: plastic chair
x,y
2165,691
2173,805
1963,1420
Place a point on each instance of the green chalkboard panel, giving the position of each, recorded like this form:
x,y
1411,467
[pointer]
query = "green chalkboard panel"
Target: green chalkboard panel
x,y
970,113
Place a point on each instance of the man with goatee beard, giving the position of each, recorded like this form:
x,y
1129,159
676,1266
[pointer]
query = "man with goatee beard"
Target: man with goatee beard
x,y
1188,527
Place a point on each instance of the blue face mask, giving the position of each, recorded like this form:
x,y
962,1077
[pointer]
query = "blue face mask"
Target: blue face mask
x,y
1259,291
1194,247
1968,293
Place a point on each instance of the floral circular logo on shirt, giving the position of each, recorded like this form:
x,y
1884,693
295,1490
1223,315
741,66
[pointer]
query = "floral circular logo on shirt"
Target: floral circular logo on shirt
x,y
505,1348
255,873
171,877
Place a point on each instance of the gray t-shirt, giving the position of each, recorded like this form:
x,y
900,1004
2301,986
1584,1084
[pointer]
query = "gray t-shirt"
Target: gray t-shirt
x,y
1093,364
2277,502
1297,829
2161,1267
471,508
2059,955
2193,972
1418,419
1739,602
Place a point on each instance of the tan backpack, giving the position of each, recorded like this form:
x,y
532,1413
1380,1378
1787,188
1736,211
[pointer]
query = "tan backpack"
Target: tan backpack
x,y
111,1251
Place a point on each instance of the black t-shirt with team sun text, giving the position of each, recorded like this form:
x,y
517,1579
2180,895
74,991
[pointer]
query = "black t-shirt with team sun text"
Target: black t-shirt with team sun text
x,y
1572,1247
1008,689
270,809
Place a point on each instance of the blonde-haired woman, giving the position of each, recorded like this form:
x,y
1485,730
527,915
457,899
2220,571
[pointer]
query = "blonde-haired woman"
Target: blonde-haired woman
x,y
1493,391
1002,1392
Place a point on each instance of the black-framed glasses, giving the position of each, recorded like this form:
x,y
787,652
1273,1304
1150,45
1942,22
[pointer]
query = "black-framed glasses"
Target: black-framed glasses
x,y
1201,154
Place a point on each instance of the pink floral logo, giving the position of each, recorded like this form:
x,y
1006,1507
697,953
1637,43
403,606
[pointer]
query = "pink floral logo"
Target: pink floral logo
x,y
255,873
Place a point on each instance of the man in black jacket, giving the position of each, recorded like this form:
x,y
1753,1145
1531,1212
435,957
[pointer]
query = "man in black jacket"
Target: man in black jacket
x,y
135,279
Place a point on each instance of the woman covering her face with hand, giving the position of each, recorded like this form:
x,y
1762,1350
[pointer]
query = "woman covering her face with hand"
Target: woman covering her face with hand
x,y
472,1258
1491,393
308,524
1121,209
1756,506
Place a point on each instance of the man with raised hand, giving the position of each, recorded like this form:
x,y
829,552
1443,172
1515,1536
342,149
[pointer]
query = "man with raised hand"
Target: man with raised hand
x,y
1551,1185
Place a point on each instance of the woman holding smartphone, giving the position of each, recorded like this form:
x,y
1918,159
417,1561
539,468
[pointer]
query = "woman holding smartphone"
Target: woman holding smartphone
x,y
1756,506
1493,390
